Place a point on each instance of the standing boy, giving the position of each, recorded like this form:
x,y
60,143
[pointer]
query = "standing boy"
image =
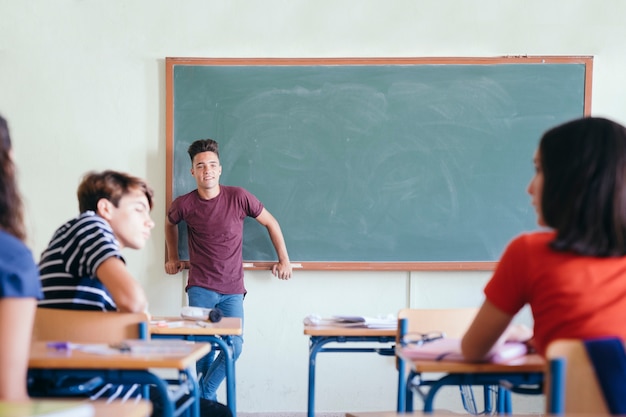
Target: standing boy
x,y
214,215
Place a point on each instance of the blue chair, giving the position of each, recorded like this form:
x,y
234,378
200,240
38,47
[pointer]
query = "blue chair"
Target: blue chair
x,y
586,376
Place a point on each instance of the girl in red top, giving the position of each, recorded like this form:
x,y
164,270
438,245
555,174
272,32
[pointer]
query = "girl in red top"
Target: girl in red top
x,y
573,275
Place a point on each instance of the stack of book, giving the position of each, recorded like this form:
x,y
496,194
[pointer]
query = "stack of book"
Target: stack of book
x,y
353,321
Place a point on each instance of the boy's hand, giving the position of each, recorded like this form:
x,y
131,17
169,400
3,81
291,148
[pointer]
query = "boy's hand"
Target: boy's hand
x,y
174,267
282,270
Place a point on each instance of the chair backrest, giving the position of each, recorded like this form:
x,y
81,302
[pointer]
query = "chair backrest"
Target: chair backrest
x,y
88,326
582,391
452,321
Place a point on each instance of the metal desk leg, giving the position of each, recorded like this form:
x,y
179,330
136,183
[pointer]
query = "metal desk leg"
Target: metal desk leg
x,y
487,399
231,400
556,390
505,401
408,394
402,387
316,343
146,377
404,395
501,398
229,360
195,391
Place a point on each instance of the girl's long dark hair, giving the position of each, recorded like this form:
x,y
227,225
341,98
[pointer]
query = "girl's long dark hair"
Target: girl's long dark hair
x,y
11,209
584,190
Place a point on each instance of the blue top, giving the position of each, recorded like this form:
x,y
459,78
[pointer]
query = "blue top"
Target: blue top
x,y
68,265
19,277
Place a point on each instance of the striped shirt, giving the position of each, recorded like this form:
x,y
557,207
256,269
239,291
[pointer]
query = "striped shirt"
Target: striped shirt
x,y
68,266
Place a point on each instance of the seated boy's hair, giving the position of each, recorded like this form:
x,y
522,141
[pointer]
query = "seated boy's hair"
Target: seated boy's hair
x,y
111,185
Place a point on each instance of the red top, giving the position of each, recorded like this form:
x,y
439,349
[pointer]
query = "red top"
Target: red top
x,y
571,296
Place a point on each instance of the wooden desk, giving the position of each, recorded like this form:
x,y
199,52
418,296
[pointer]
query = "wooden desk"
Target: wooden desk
x,y
446,414
101,408
396,414
322,335
527,371
215,333
123,409
120,368
525,364
227,326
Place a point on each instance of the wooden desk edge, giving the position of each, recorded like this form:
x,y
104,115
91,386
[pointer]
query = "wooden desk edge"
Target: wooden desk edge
x,y
141,408
446,413
526,364
347,331
228,326
440,413
102,408
43,357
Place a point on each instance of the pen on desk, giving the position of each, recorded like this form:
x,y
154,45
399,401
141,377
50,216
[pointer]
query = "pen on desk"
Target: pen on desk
x,y
61,345
203,324
122,347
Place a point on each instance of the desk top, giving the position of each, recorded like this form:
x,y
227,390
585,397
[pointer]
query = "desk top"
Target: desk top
x,y
179,326
347,331
525,364
41,356
410,414
444,413
101,408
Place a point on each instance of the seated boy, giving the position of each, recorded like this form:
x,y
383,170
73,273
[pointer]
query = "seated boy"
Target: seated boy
x,y
82,268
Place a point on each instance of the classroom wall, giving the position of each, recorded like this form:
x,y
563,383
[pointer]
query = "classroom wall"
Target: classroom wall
x,y
82,84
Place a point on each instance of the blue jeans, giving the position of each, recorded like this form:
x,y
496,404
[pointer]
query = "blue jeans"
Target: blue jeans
x,y
212,369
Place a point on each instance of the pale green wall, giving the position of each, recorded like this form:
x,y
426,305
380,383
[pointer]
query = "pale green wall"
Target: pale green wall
x,y
82,84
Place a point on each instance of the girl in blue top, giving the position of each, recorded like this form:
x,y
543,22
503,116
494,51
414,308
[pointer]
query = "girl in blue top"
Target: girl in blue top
x,y
19,281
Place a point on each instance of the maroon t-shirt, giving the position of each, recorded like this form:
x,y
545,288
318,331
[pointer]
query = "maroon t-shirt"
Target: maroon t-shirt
x,y
215,236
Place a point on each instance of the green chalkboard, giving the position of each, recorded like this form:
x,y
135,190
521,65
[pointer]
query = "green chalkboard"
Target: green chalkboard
x,y
376,161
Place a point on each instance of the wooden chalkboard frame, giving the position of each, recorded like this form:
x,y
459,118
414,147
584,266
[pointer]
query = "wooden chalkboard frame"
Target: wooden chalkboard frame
x,y
171,62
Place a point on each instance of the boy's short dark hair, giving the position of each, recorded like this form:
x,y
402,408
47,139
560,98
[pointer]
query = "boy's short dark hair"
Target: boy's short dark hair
x,y
111,185
203,145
